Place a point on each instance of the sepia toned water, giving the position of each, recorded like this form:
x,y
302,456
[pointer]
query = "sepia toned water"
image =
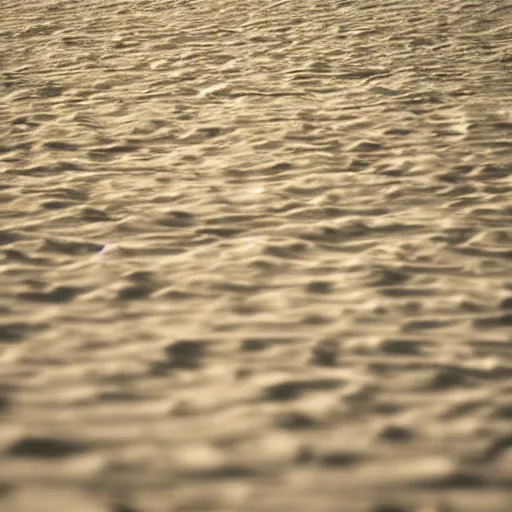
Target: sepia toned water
x,y
255,256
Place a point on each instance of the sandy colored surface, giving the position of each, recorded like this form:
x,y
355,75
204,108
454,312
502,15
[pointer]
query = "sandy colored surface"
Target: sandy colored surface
x,y
256,256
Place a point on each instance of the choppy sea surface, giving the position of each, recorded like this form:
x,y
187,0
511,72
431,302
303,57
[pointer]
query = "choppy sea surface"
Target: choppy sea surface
x,y
256,255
